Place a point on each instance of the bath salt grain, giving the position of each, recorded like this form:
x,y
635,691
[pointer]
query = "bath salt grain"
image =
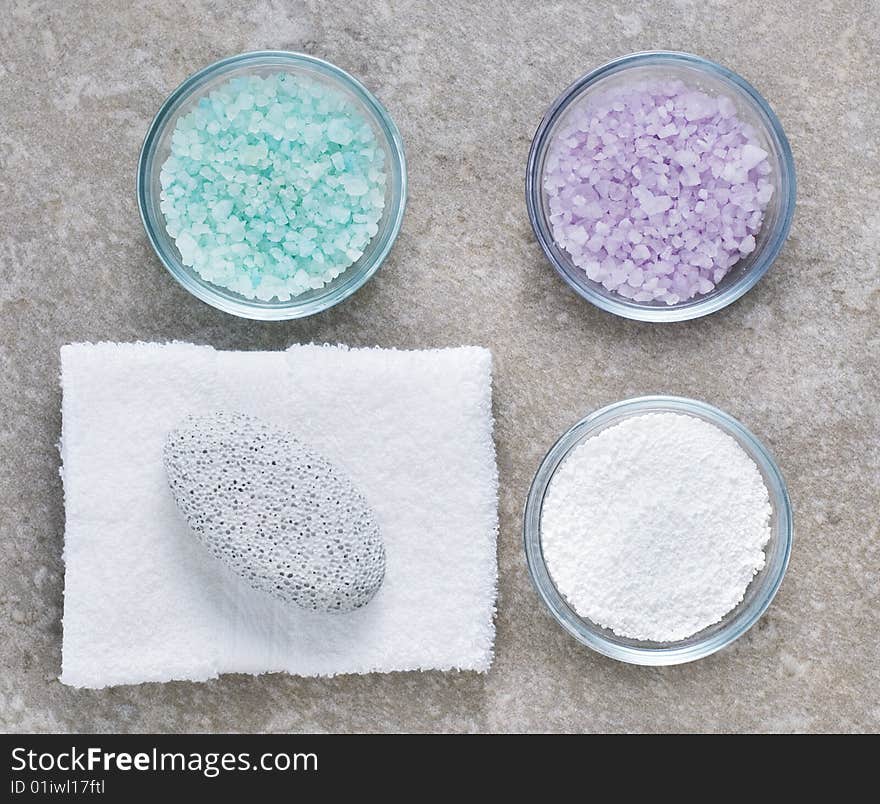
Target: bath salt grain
x,y
656,190
655,527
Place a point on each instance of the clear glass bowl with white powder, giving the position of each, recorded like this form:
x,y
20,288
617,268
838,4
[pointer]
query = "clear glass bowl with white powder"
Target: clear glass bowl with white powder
x,y
563,603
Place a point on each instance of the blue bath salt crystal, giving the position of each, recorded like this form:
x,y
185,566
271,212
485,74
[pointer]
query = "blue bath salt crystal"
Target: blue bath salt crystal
x,y
274,186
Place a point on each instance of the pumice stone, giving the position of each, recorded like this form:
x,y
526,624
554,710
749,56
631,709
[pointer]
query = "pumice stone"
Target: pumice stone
x,y
279,514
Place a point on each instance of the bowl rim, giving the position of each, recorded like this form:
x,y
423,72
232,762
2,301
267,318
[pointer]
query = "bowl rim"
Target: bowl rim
x,y
664,653
627,308
292,309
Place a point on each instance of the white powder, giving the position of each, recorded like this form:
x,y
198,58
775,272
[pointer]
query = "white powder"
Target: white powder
x,y
655,527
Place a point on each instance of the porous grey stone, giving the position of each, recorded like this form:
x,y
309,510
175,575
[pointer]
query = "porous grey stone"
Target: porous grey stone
x,y
279,514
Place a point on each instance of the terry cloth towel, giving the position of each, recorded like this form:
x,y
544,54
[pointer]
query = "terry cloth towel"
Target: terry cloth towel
x,y
144,600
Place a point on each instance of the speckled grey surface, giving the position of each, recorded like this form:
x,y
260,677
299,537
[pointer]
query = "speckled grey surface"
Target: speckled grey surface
x,y
796,359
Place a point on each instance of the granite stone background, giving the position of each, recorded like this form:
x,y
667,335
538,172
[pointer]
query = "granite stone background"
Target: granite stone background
x,y
796,359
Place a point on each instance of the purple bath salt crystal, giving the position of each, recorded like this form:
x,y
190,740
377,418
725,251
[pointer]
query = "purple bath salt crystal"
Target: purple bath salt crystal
x,y
656,190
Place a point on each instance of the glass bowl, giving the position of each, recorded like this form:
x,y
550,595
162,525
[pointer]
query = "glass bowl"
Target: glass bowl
x,y
759,592
751,108
157,147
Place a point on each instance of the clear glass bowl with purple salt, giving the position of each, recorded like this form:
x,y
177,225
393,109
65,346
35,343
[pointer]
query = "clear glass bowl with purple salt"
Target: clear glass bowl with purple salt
x,y
661,186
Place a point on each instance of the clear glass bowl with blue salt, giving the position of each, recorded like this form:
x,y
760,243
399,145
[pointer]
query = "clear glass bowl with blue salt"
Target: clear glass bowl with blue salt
x,y
660,186
272,185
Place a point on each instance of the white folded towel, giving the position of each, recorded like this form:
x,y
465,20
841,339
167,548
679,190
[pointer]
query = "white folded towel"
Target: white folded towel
x,y
143,599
